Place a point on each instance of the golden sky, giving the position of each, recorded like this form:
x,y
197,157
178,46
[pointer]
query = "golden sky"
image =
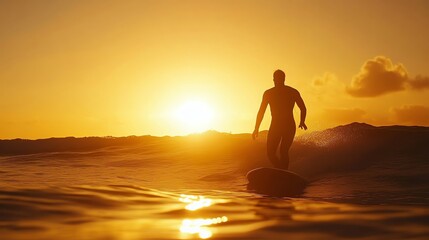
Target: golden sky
x,y
85,68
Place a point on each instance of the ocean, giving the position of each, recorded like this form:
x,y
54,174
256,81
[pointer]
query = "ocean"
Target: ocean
x,y
366,182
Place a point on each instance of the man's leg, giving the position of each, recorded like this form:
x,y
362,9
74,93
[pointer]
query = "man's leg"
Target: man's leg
x,y
273,140
287,139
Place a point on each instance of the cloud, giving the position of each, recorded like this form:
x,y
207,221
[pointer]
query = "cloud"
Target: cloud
x,y
419,83
379,76
327,88
343,115
324,80
411,114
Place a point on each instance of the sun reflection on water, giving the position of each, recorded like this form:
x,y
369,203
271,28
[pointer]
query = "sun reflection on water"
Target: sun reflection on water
x,y
200,225
195,202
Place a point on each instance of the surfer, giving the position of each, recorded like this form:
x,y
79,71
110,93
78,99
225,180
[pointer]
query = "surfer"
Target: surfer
x,y
281,99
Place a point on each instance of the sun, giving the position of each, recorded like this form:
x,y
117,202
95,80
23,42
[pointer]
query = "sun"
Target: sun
x,y
195,116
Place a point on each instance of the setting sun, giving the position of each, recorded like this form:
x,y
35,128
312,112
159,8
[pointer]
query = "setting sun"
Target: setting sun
x,y
194,116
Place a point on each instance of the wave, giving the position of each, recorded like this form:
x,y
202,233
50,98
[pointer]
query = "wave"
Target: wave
x,y
359,146
351,161
194,187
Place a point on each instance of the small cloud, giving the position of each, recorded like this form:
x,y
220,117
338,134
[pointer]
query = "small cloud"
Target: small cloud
x,y
327,87
378,76
338,116
419,83
324,80
411,114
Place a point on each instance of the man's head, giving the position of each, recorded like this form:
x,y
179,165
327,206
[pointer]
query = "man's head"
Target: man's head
x,y
279,77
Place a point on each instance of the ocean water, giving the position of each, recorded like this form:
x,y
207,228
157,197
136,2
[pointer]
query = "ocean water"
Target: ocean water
x,y
365,183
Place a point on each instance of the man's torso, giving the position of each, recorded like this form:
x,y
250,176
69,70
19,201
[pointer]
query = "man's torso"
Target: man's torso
x,y
282,100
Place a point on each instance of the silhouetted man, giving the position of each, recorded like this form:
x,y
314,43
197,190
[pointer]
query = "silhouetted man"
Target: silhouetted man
x,y
281,99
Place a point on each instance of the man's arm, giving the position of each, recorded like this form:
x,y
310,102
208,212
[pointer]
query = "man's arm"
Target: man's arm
x,y
303,109
260,115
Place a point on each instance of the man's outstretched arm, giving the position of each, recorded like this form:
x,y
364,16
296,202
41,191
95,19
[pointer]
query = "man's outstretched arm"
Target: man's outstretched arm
x,y
260,115
303,109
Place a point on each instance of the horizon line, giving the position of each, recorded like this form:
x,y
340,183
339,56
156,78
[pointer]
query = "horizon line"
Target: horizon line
x,y
198,133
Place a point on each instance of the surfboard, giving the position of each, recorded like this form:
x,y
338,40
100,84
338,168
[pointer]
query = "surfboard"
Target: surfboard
x,y
275,182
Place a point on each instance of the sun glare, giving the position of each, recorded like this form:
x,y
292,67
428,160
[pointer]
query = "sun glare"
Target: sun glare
x,y
195,116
